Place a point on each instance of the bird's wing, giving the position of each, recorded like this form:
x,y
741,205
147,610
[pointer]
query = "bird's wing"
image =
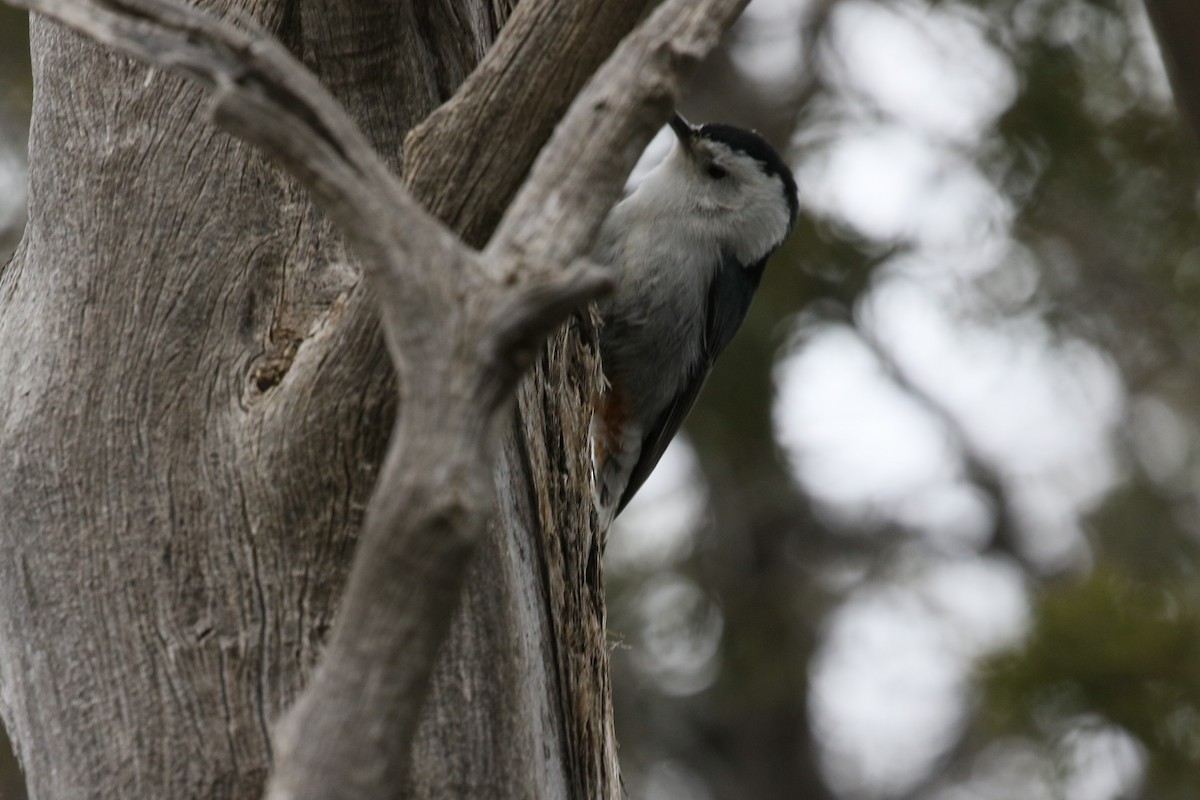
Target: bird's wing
x,y
729,297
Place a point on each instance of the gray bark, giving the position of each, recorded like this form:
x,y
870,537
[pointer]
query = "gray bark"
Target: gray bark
x,y
196,403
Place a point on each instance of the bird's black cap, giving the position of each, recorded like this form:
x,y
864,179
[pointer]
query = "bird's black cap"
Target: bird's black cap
x,y
753,145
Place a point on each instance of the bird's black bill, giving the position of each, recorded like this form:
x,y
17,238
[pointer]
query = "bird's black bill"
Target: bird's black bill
x,y
683,130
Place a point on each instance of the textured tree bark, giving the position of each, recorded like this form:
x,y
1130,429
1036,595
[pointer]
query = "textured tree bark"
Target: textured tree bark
x,y
196,402
176,527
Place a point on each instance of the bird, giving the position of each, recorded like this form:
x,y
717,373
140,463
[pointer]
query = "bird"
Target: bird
x,y
687,249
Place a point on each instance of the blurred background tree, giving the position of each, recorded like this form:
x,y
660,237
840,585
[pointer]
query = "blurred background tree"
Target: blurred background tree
x,y
932,531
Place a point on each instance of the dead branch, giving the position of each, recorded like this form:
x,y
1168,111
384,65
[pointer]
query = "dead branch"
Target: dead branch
x,y
467,159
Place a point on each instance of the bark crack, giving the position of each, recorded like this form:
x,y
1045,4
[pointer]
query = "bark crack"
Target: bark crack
x,y
261,604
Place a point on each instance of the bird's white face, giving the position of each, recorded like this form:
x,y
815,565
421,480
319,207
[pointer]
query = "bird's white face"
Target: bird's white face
x,y
732,192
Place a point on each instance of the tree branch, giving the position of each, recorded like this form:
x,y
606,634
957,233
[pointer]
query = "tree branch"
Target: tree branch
x,y
265,96
545,53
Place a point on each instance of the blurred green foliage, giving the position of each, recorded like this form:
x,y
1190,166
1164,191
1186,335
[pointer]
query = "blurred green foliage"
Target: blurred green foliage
x,y
1102,179
16,100
1115,648
16,87
1107,178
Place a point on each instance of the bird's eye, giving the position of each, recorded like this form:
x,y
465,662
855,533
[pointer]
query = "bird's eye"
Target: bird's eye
x,y
716,172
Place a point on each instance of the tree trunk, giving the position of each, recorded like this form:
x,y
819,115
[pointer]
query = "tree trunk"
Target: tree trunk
x,y
177,522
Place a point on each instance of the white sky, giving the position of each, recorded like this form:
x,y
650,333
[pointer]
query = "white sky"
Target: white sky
x,y
892,657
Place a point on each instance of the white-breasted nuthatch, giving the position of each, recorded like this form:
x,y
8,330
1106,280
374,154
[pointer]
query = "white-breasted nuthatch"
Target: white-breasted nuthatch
x,y
688,247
